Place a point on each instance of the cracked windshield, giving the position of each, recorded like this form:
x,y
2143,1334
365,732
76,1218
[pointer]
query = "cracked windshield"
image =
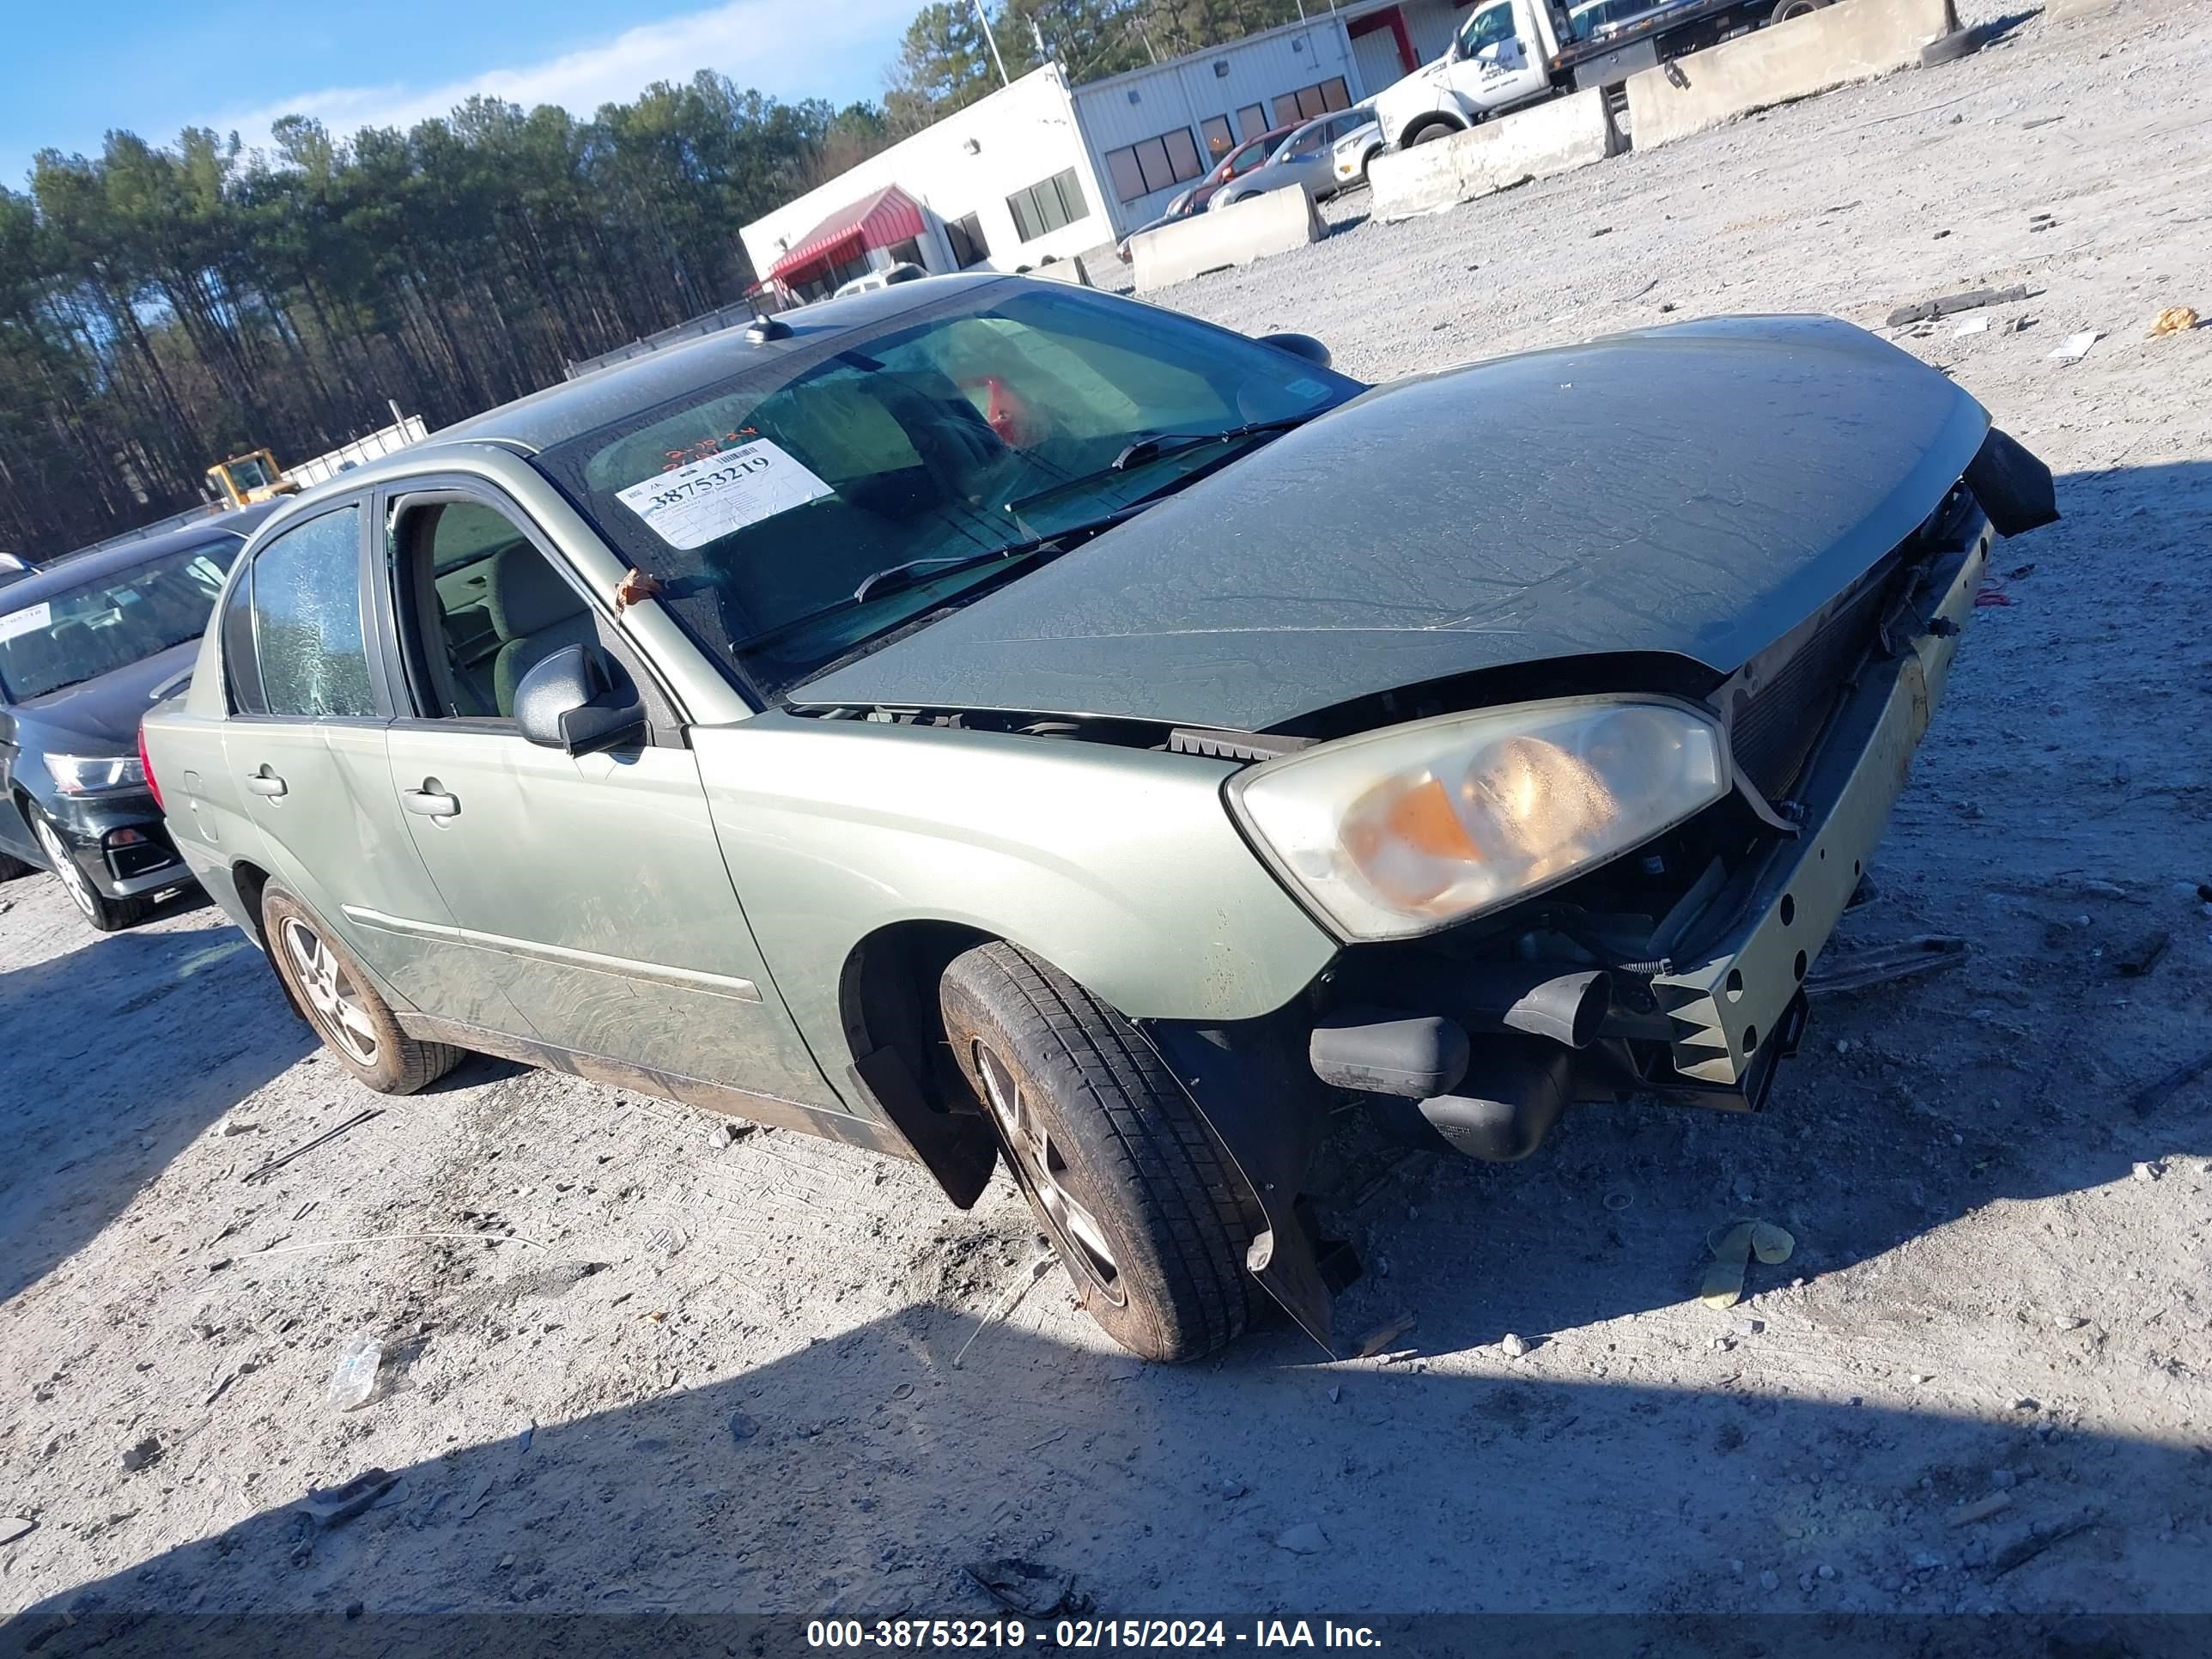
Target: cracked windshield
x,y
797,511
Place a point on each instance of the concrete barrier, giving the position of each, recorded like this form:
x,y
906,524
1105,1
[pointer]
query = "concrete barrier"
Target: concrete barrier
x,y
1557,137
1220,237
1850,40
1070,269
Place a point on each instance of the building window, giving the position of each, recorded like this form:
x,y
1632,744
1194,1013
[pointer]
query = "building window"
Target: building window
x,y
1045,207
821,286
1252,120
1220,139
908,252
1140,169
1307,102
966,235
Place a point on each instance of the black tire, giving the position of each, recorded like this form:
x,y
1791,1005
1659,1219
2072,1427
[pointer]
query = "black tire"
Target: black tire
x,y
329,990
1367,161
1786,10
11,866
105,914
1950,48
1429,131
1131,1187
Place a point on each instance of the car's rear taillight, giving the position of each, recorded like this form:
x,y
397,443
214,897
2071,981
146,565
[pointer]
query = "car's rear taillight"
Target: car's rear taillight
x,y
146,765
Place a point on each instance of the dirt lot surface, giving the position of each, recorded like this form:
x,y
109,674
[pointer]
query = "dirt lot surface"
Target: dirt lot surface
x,y
705,1376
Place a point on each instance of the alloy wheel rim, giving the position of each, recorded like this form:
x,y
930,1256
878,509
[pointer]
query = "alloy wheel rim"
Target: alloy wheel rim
x,y
337,1003
74,881
1082,1240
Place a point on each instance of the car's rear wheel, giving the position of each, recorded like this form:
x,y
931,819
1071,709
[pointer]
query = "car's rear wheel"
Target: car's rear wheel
x,y
1125,1178
107,915
1788,9
332,993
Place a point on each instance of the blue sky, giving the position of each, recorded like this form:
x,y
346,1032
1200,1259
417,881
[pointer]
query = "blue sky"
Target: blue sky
x,y
237,65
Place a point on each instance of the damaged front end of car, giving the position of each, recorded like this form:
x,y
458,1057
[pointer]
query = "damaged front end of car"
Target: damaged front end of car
x,y
1672,970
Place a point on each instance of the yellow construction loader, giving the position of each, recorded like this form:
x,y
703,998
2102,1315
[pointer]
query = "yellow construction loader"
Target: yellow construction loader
x,y
249,479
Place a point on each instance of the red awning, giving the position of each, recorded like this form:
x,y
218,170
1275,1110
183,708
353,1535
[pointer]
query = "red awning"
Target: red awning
x,y
883,220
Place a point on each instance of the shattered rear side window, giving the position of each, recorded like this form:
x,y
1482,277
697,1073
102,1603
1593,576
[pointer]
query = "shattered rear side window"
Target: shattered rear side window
x,y
306,620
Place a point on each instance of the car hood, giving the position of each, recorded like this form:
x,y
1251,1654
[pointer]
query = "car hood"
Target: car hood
x,y
1698,490
101,716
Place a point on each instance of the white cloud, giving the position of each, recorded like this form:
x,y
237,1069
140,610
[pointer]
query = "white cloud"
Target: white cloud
x,y
835,50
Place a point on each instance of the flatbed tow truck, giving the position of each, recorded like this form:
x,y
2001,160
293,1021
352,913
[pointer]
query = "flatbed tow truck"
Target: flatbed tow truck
x,y
1511,53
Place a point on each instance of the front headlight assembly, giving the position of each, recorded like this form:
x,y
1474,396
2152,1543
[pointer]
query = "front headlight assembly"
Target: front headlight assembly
x,y
95,775
1396,833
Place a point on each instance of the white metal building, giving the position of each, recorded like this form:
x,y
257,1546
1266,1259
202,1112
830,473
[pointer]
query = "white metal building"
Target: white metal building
x,y
1002,184
1041,170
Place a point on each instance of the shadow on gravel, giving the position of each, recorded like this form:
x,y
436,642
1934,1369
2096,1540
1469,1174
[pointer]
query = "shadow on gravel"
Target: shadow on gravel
x,y
475,1071
113,1057
859,1476
1999,28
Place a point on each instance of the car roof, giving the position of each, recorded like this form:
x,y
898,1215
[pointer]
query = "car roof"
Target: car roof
x,y
74,570
1268,140
1320,121
542,419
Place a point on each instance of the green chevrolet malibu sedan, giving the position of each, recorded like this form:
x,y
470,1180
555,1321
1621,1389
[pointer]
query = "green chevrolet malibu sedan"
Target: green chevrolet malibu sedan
x,y
986,719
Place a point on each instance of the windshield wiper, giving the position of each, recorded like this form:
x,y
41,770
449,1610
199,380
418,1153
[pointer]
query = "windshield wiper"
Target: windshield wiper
x,y
1155,445
917,570
1160,443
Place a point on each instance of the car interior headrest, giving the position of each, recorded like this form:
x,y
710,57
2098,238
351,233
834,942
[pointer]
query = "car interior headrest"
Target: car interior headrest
x,y
526,595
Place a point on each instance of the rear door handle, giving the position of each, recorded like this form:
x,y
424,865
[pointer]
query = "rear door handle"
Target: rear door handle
x,y
427,802
264,782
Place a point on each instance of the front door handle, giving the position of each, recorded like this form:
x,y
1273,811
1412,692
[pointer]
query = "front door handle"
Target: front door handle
x,y
429,801
264,782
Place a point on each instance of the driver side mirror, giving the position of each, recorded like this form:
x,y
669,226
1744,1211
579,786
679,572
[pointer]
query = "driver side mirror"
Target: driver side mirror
x,y
1300,345
572,701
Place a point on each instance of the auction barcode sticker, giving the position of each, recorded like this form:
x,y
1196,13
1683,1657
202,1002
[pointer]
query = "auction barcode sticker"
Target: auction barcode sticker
x,y
705,500
29,620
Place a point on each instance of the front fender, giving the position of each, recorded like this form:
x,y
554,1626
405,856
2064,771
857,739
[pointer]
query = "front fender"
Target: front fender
x,y
1119,866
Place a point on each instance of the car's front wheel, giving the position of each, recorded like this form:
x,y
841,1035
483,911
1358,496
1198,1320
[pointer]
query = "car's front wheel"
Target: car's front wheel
x,y
1429,131
1128,1183
107,915
332,993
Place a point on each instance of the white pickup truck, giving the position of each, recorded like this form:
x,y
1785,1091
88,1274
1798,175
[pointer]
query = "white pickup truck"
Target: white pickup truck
x,y
1512,52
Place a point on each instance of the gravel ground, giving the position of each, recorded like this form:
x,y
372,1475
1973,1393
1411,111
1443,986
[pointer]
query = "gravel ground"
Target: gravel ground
x,y
702,1376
